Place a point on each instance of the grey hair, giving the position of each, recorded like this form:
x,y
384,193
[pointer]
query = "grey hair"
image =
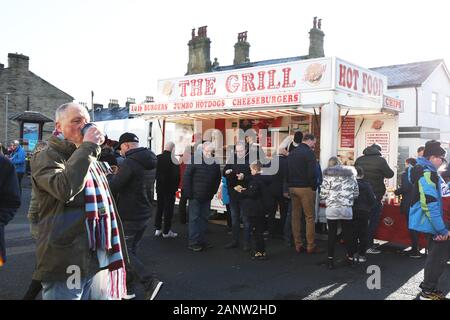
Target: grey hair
x,y
59,113
208,144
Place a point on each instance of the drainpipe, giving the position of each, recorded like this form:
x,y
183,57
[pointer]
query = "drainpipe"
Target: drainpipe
x,y
417,106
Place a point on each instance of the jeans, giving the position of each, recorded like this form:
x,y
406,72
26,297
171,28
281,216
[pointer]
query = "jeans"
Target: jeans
x,y
236,215
136,270
374,221
198,221
166,203
436,263
182,209
59,290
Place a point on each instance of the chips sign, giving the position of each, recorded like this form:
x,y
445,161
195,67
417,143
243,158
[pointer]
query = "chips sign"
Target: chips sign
x,y
390,103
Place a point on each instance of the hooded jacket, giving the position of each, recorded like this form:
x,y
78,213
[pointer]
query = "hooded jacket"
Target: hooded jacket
x,y
426,213
18,159
376,169
167,174
58,180
134,185
339,189
201,180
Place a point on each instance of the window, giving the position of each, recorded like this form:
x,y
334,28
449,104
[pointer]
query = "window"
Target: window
x,y
434,102
447,106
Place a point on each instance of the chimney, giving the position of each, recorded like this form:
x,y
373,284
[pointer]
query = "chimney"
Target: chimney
x,y
316,40
2,66
18,61
199,52
241,49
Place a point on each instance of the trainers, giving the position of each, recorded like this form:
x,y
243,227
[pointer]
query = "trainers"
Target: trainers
x,y
195,247
300,248
170,234
153,289
373,251
362,259
158,233
129,296
259,255
415,254
231,245
431,295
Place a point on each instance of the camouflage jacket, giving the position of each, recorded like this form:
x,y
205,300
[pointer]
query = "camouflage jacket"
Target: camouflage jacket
x,y
339,187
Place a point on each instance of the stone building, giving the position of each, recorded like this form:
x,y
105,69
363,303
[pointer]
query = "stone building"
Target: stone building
x,y
24,91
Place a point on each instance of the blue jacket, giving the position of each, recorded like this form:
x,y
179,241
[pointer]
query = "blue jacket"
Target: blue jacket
x,y
426,214
18,159
225,194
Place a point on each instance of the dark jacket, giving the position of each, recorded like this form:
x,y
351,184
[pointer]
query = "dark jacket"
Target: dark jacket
x,y
237,166
201,181
134,185
375,169
58,179
405,190
9,199
302,168
255,200
167,174
279,179
366,199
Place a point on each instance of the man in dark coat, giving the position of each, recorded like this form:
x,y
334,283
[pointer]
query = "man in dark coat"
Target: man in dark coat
x,y
200,183
9,200
376,169
133,186
167,180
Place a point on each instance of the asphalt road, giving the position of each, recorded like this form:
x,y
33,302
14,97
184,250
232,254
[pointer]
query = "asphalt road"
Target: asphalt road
x,y
220,274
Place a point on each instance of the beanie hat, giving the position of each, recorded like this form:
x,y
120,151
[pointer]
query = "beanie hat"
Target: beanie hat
x,y
376,145
433,148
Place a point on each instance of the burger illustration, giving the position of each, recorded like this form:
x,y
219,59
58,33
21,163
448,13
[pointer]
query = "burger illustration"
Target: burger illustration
x,y
314,73
377,124
167,88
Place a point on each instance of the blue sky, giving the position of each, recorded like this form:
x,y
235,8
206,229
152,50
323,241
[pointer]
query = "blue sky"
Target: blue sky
x,y
120,49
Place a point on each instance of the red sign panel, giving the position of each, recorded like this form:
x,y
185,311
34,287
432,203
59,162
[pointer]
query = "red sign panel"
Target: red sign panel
x,y
348,133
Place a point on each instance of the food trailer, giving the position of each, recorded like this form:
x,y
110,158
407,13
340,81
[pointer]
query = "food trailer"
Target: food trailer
x,y
344,105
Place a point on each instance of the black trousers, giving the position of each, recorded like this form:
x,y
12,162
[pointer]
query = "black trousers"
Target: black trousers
x,y
360,231
436,263
413,235
136,270
165,204
19,179
257,226
332,236
183,212
276,227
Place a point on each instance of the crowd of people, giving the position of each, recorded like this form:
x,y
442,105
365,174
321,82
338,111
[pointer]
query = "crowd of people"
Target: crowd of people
x,y
94,198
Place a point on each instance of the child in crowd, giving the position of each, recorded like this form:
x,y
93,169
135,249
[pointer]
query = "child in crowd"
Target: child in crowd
x,y
361,210
254,208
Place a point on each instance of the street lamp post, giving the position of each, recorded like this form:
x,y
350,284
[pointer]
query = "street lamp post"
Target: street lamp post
x,y
6,116
92,105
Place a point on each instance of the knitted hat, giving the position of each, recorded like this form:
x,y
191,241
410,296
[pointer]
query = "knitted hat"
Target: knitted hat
x,y
433,148
376,145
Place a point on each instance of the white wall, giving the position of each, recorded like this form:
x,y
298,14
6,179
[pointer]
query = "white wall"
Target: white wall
x,y
439,83
408,95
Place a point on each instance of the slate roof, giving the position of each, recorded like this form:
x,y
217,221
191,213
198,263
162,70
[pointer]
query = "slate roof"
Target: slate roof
x,y
111,114
258,63
30,116
408,75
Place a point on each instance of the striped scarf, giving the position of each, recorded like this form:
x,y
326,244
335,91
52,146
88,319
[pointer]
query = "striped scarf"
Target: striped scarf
x,y
102,227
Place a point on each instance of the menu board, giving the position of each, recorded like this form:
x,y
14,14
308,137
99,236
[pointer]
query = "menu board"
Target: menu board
x,y
348,133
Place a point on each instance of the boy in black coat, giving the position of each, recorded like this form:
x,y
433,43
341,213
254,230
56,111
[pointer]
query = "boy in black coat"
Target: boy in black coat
x,y
254,208
361,211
